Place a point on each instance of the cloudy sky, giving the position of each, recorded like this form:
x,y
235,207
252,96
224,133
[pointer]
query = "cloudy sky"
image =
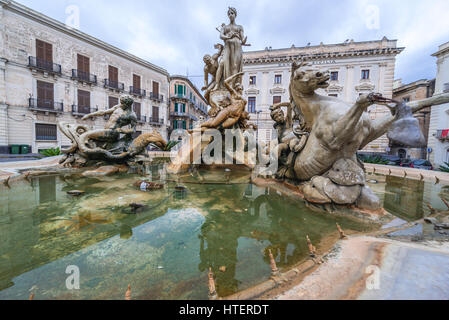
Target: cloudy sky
x,y
175,34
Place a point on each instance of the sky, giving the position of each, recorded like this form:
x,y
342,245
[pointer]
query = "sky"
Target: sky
x,y
175,34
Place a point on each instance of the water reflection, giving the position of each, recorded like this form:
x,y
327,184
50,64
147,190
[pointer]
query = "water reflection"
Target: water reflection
x,y
227,227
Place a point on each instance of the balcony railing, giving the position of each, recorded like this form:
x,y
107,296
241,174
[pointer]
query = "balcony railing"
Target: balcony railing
x,y
137,91
442,134
84,76
48,66
179,96
141,119
179,114
111,84
156,121
45,105
156,97
82,109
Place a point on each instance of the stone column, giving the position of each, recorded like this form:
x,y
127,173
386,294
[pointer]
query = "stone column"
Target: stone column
x,y
3,109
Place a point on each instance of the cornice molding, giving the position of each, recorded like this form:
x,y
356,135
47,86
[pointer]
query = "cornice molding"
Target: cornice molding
x,y
322,56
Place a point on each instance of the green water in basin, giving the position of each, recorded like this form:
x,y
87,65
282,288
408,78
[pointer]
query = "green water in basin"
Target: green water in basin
x,y
164,250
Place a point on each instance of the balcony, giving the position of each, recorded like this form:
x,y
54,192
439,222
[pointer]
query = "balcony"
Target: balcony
x,y
179,114
156,97
82,110
180,96
114,85
45,105
46,66
84,76
137,91
141,119
156,121
442,135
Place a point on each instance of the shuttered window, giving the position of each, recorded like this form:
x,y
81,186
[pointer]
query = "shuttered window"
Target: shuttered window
x,y
45,95
44,51
83,101
156,88
83,64
155,113
113,101
113,73
46,132
136,81
137,109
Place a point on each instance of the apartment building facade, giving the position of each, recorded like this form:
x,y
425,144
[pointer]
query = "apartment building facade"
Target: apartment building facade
x,y
187,104
356,68
439,115
50,73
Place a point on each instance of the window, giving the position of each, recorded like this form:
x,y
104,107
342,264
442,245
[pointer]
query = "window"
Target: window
x,y
155,113
44,52
252,104
136,81
83,66
156,89
333,95
46,132
252,80
113,101
180,90
45,95
276,99
137,109
406,99
113,73
334,76
365,74
184,124
180,107
278,79
268,135
83,101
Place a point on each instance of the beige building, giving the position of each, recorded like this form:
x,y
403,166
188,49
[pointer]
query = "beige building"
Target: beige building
x,y
416,90
50,73
439,116
356,68
187,104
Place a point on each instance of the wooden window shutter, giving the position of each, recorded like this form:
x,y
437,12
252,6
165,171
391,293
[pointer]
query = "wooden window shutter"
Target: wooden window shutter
x,y
83,63
137,109
113,73
276,99
136,81
113,101
156,88
155,113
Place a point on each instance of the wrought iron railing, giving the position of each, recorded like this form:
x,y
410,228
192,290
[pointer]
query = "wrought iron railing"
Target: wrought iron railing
x,y
137,91
156,97
41,64
156,121
83,109
84,76
111,84
45,105
141,119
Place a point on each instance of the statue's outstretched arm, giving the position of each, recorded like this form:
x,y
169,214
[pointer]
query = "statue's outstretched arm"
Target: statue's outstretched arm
x,y
433,101
99,113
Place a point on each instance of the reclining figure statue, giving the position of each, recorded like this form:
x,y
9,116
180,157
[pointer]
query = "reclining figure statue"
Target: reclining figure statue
x,y
114,143
328,161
